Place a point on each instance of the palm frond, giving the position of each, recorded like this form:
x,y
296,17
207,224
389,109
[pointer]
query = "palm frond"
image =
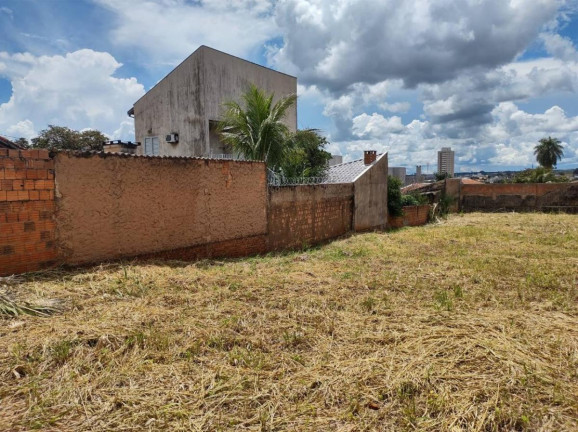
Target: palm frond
x,y
13,308
256,129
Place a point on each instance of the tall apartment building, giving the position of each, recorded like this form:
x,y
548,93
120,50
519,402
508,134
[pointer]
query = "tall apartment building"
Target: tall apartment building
x,y
446,161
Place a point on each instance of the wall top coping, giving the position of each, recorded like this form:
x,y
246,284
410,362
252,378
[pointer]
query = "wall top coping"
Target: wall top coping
x,y
104,155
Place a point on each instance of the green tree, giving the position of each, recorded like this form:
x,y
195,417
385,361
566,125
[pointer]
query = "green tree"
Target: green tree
x,y
305,156
548,152
538,175
64,138
22,143
91,139
255,128
394,200
442,176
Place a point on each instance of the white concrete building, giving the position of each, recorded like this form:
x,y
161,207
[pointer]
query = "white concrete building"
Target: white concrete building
x,y
177,117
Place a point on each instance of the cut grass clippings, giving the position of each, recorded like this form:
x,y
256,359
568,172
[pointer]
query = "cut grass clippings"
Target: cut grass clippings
x,y
466,325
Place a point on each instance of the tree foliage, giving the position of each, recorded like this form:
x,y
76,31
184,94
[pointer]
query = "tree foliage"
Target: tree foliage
x,y
63,138
255,128
548,152
538,175
394,200
22,143
442,176
305,155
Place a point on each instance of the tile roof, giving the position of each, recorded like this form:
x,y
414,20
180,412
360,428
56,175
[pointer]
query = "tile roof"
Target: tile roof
x,y
6,143
414,186
345,172
470,181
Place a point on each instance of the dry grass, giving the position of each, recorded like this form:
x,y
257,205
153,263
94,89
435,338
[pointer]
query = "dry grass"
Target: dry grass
x,y
469,325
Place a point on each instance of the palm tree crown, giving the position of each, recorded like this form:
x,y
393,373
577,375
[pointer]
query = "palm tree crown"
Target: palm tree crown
x,y
548,152
255,130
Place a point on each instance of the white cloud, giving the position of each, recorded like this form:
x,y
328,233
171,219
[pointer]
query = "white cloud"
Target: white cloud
x,y
376,126
397,107
337,44
77,90
7,11
169,30
507,141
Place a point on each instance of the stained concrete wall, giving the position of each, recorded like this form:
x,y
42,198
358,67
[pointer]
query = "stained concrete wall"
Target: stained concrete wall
x,y
175,104
453,189
370,197
193,93
227,77
308,214
110,206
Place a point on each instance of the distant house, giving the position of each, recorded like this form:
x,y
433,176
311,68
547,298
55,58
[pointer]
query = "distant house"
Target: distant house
x,y
178,116
7,144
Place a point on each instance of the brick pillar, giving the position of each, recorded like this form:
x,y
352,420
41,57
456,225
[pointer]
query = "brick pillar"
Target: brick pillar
x,y
27,226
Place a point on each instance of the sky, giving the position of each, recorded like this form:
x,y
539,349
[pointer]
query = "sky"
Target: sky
x,y
488,78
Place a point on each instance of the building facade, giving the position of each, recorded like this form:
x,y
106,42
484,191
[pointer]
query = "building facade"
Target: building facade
x,y
399,172
446,161
178,116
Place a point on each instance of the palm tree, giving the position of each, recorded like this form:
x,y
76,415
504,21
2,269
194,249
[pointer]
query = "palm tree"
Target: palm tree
x,y
255,130
548,152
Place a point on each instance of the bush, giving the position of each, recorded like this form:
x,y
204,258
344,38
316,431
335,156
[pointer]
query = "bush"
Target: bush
x,y
394,204
445,203
539,175
413,199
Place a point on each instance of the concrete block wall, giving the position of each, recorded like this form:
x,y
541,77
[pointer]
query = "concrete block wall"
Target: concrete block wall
x,y
308,214
412,216
27,225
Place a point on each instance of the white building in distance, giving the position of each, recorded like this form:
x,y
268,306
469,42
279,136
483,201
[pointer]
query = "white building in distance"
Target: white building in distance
x,y
446,161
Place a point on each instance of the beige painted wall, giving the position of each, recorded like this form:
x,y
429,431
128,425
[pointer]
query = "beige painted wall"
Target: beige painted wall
x,y
109,206
370,192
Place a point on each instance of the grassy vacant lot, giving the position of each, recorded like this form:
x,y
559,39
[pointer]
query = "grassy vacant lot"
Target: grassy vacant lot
x,y
467,325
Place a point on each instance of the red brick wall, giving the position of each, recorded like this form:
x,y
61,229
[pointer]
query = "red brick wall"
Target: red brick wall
x,y
307,215
412,216
27,228
518,196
